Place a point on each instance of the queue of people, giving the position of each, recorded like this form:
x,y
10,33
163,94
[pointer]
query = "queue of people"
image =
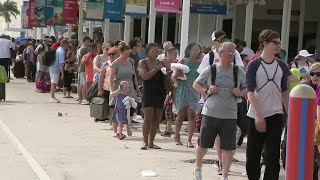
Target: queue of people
x,y
211,89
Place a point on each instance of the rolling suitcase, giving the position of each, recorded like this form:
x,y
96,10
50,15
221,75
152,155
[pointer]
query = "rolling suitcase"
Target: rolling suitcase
x,y
2,91
99,108
18,69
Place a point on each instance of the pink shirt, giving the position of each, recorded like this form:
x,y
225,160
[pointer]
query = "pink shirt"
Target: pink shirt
x,y
88,67
318,95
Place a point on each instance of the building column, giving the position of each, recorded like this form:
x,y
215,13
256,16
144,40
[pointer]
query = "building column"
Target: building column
x,y
35,32
106,30
248,26
80,25
301,24
40,33
165,27
48,30
234,20
127,28
185,27
91,26
152,22
198,30
143,28
176,30
69,31
180,26
285,30
318,40
219,20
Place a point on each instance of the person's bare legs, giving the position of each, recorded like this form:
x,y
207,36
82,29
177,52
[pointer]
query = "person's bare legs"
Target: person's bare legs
x,y
155,126
200,153
226,162
146,127
110,114
115,127
178,124
219,151
80,92
84,92
191,126
53,90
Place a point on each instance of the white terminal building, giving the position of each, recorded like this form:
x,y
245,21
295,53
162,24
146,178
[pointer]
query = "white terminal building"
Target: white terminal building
x,y
245,19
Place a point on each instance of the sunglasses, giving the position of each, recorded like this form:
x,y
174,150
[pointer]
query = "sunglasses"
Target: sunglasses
x,y
276,42
317,74
112,54
106,49
230,53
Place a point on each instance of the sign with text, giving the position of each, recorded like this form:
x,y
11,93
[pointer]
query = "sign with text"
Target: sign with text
x,y
169,6
94,10
30,12
70,11
208,9
113,10
136,8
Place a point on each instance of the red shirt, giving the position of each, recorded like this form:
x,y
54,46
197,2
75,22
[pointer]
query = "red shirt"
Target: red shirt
x,y
88,65
55,45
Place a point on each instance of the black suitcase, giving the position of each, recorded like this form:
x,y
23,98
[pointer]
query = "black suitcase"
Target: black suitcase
x,y
18,69
2,91
99,108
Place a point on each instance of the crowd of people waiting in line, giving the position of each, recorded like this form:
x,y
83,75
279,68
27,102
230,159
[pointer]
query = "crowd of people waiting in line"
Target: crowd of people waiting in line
x,y
225,93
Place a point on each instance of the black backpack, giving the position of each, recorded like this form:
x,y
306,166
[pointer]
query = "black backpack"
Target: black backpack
x,y
214,74
49,57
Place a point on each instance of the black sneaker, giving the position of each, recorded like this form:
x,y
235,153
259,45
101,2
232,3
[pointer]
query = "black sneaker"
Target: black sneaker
x,y
220,169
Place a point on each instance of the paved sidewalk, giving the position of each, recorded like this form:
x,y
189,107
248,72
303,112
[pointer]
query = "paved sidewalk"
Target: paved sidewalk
x,y
74,147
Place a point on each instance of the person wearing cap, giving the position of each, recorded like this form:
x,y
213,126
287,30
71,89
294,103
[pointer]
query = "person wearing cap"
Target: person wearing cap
x,y
46,43
57,44
302,63
217,38
246,50
104,80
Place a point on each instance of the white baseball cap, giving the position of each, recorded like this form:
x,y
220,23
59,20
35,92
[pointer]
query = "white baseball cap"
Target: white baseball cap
x,y
217,35
305,53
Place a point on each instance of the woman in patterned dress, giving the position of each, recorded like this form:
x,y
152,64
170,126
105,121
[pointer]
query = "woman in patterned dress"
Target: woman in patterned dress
x,y
185,97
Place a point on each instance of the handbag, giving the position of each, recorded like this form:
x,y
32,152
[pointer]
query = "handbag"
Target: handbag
x,y
3,75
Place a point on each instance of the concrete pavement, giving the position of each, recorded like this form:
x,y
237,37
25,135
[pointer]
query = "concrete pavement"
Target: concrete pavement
x,y
74,147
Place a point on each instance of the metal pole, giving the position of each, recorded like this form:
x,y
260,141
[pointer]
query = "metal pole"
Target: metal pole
x,y
301,24
248,26
165,27
143,28
285,30
106,32
127,28
80,25
91,26
152,22
185,27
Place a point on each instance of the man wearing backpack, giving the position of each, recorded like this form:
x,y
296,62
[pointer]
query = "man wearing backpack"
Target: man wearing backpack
x,y
56,68
46,43
267,79
221,85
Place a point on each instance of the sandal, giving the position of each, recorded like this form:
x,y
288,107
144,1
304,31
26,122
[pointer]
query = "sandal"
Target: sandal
x,y
190,145
145,147
178,141
69,97
153,146
121,136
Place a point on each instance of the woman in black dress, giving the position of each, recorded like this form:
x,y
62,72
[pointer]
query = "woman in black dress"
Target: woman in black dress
x,y
153,94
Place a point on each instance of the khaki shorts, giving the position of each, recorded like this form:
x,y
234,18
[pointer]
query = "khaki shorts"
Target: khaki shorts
x,y
54,78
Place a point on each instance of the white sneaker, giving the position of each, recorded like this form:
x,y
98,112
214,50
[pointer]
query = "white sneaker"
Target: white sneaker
x,y
54,100
224,178
197,175
85,102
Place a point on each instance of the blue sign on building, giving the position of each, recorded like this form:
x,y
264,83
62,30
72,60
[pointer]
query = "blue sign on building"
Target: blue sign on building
x,y
113,10
208,9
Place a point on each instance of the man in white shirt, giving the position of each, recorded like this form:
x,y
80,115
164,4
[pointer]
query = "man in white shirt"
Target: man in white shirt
x,y
5,52
166,45
248,51
217,38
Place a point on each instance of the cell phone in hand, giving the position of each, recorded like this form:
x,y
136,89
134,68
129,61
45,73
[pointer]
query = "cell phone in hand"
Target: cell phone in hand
x,y
303,70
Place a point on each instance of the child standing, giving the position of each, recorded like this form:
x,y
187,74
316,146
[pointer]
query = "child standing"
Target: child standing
x,y
69,68
121,112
